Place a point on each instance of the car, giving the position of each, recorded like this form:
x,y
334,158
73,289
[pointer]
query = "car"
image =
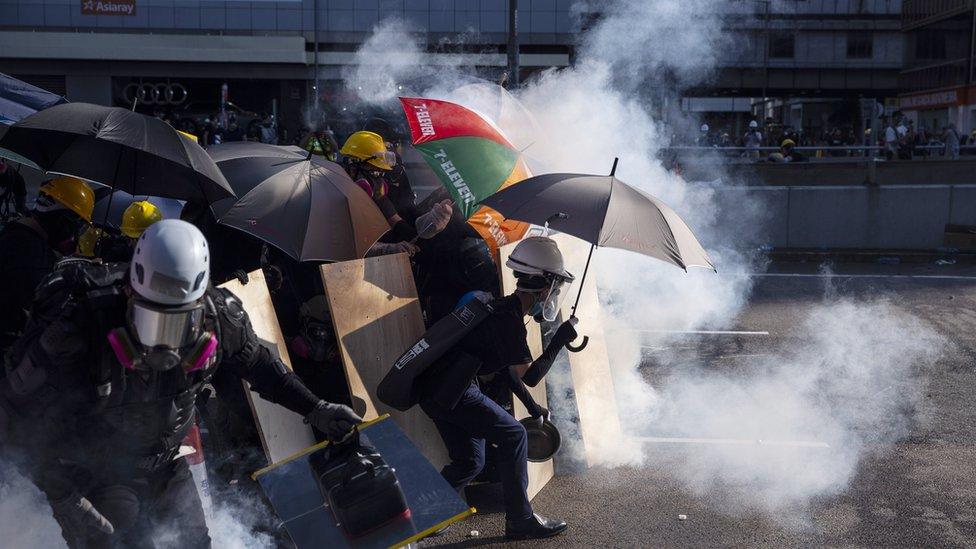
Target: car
x,y
190,117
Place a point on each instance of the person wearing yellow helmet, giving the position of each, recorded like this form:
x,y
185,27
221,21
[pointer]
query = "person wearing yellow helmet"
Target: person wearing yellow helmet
x,y
790,154
31,245
138,217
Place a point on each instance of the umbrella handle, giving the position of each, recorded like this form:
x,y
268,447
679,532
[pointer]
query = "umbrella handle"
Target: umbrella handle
x,y
577,348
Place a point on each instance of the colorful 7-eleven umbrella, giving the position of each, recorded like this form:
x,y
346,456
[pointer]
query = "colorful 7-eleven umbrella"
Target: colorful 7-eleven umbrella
x,y
472,159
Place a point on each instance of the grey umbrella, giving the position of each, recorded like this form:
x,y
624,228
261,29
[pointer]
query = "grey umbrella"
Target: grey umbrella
x,y
305,206
603,211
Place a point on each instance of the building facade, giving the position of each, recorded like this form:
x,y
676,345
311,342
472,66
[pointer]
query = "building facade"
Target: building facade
x,y
177,55
938,81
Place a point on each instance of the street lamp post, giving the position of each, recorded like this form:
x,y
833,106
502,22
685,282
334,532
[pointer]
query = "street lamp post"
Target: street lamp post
x,y
513,44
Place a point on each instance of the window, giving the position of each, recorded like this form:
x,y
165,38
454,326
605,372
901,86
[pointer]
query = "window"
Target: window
x,y
860,45
782,44
930,44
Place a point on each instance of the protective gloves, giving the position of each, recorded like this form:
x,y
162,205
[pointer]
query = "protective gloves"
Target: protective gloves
x,y
76,514
434,221
383,248
335,420
564,335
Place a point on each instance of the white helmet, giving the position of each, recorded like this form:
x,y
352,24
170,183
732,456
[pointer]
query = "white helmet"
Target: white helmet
x,y
171,263
538,266
704,128
753,124
538,255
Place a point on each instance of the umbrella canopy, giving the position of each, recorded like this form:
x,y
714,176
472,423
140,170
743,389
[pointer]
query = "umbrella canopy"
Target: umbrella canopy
x,y
471,158
603,211
302,204
122,149
19,99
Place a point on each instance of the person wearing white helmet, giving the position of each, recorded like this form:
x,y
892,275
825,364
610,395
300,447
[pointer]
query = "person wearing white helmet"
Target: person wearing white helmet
x,y
106,378
496,345
752,140
705,138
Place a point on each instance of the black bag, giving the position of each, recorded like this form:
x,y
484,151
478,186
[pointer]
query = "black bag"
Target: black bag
x,y
360,488
398,388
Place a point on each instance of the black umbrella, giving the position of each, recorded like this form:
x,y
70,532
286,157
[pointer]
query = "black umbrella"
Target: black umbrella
x,y
603,211
116,147
302,204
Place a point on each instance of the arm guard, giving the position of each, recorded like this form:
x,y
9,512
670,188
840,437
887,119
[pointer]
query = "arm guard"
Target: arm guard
x,y
519,390
540,366
244,354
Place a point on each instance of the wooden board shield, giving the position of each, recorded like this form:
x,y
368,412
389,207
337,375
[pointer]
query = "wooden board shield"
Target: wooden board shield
x,y
592,379
539,473
377,317
282,432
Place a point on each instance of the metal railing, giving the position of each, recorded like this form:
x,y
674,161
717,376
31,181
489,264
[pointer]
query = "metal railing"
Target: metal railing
x,y
934,152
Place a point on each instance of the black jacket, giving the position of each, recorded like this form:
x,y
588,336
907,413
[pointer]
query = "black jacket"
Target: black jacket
x,y
60,418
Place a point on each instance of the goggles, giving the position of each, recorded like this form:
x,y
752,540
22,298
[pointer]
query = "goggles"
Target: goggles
x,y
550,298
167,327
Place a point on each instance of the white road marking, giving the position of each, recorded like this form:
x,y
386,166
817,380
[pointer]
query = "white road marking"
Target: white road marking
x,y
734,441
836,275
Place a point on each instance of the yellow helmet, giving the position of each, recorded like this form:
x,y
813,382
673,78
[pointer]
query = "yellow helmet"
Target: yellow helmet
x,y
88,240
369,147
138,217
787,143
72,193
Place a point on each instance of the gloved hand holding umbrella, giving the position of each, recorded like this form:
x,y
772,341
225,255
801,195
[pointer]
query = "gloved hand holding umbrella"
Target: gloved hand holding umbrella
x,y
603,211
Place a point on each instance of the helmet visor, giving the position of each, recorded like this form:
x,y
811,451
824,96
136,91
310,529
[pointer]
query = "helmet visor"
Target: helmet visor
x,y
169,327
553,300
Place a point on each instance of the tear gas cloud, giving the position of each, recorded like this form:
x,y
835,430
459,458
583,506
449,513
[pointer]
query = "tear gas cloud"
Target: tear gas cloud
x,y
852,378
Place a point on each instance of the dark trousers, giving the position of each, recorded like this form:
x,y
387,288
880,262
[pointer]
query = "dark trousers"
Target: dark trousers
x,y
465,428
163,510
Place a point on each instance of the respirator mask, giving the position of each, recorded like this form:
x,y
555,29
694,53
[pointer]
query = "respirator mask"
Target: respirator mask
x,y
160,338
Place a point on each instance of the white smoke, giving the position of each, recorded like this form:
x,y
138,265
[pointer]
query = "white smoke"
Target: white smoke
x,y
848,385
26,519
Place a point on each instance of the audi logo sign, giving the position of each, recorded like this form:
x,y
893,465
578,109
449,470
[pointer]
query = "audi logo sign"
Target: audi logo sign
x,y
163,93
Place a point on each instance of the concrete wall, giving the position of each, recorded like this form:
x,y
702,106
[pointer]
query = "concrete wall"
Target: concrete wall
x,y
906,217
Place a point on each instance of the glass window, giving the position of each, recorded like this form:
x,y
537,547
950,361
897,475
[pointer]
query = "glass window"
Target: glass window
x,y
782,44
860,45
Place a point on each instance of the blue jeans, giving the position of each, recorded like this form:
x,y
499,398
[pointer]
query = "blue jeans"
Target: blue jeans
x,y
465,428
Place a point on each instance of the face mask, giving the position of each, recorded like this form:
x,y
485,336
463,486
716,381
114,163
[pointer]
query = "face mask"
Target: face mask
x,y
546,308
162,338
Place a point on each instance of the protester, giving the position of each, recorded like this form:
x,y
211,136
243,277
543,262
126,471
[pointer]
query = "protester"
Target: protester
x,y
30,246
497,345
890,139
368,162
321,142
752,140
12,188
951,139
789,152
160,323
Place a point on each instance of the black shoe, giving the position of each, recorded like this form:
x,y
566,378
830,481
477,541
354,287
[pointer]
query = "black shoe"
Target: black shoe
x,y
535,527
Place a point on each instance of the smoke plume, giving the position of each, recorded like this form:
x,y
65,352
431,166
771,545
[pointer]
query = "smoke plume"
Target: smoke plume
x,y
796,423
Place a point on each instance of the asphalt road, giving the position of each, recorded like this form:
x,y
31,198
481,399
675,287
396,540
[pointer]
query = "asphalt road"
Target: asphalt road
x,y
919,492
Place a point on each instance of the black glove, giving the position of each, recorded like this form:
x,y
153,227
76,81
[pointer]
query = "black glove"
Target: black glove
x,y
335,420
76,515
241,276
565,333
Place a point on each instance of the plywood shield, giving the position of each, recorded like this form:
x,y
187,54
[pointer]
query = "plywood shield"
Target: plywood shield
x,y
377,316
282,431
592,379
539,473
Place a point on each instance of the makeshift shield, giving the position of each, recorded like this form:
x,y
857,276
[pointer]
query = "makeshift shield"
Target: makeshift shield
x,y
293,489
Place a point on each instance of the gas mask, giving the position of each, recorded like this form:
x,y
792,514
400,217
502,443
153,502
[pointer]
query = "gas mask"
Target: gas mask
x,y
160,338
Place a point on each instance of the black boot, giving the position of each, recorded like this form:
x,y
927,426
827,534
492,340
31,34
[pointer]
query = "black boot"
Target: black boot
x,y
534,527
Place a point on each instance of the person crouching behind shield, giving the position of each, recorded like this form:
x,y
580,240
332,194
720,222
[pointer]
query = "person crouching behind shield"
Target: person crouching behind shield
x,y
466,418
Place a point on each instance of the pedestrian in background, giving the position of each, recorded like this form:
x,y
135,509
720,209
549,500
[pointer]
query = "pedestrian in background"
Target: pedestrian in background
x,y
752,140
951,139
